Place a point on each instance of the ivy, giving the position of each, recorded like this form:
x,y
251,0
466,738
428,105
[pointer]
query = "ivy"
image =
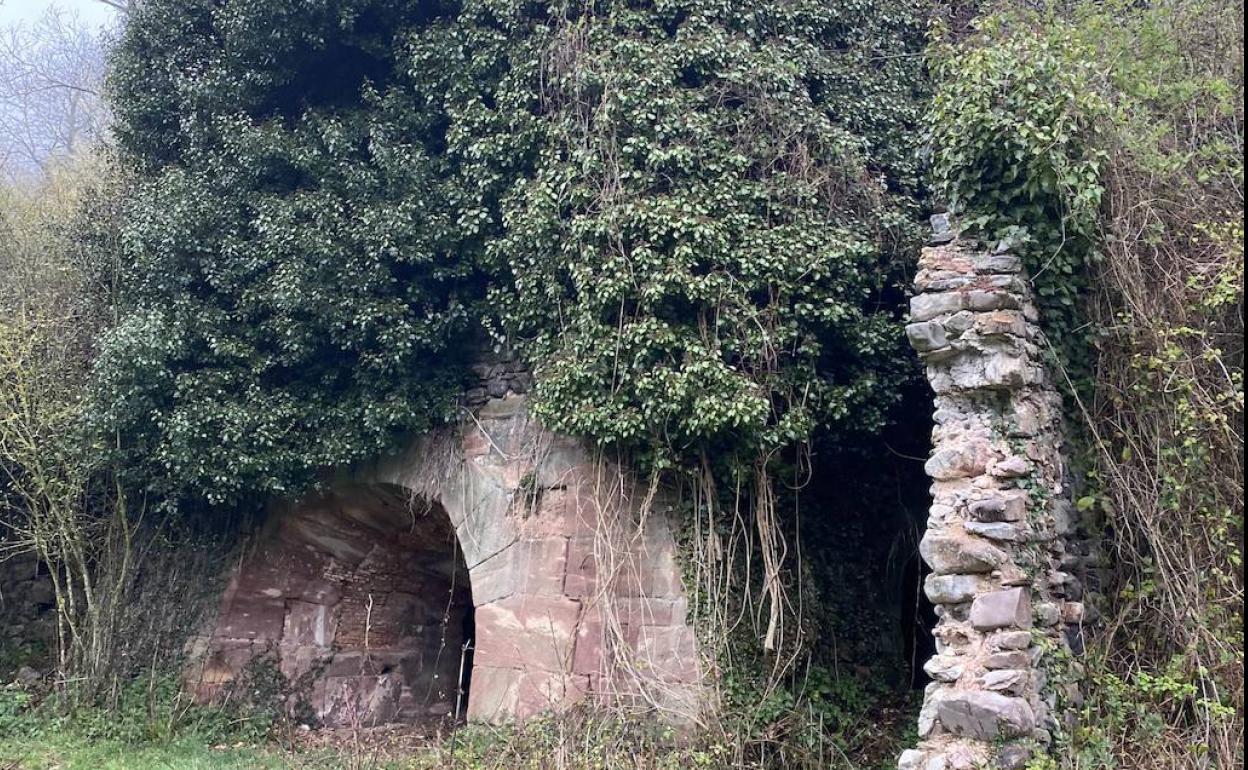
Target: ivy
x,y
691,217
1012,129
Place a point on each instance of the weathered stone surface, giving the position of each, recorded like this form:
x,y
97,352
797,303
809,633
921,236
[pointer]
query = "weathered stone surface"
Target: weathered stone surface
x,y
958,462
1012,640
1005,680
951,553
952,589
368,590
995,530
927,336
997,420
985,716
944,668
927,306
1010,608
1011,467
1003,508
1011,659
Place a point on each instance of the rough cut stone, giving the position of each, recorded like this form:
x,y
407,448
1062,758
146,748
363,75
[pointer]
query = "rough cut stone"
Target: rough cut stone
x,y
995,530
958,462
944,668
927,336
986,716
1005,680
1013,508
951,589
949,554
1012,659
927,306
1002,609
1011,467
991,550
911,759
1012,640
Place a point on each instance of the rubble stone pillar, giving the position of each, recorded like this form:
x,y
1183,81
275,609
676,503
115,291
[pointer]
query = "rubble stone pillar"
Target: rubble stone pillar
x,y
1003,584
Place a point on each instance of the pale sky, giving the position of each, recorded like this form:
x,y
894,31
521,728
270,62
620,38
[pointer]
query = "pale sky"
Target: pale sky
x,y
26,11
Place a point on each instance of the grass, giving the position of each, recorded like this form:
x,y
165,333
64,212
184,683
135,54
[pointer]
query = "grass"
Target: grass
x,y
70,751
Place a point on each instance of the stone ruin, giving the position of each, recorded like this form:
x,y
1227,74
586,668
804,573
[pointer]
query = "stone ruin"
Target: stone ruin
x,y
495,571
491,570
1001,538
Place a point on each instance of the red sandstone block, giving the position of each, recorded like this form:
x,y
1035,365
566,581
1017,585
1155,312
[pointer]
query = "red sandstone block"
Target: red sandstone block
x,y
494,693
541,565
651,611
669,653
252,617
540,692
524,631
589,657
308,624
581,560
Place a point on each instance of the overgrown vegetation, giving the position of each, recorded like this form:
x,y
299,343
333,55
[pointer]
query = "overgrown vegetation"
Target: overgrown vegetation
x,y
1109,138
692,219
695,220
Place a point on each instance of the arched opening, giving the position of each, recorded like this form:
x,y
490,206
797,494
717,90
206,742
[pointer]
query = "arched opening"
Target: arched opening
x,y
362,597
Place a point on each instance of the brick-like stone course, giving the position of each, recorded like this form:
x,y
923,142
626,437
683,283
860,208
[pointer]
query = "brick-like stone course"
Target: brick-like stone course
x,y
998,533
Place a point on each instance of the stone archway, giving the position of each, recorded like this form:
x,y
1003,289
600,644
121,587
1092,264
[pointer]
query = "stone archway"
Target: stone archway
x,y
574,597
362,600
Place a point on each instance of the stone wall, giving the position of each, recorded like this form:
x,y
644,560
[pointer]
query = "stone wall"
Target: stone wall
x,y
575,594
27,604
1007,590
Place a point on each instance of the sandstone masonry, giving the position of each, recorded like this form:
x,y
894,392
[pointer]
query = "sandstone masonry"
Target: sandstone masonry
x,y
575,594
1001,531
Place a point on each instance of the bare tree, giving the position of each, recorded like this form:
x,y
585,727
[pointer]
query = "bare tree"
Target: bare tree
x,y
50,79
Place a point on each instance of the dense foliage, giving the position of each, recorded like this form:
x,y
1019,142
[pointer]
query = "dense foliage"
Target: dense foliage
x,y
699,256
686,214
1108,137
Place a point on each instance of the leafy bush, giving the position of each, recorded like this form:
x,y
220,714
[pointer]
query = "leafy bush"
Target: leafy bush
x,y
1121,125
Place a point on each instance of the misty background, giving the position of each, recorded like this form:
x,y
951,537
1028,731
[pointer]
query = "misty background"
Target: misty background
x,y
52,61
